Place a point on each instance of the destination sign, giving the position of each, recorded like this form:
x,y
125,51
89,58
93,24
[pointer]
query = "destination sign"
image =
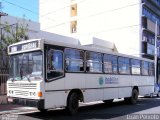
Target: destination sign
x,y
24,47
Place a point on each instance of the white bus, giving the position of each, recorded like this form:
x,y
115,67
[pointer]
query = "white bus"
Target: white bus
x,y
47,74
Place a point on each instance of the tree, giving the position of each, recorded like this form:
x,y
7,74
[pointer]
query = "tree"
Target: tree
x,y
11,34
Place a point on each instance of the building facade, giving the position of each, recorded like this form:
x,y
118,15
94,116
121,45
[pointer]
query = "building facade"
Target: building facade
x,y
130,24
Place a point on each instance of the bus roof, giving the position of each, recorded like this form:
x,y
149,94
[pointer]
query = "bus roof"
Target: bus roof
x,y
94,49
81,47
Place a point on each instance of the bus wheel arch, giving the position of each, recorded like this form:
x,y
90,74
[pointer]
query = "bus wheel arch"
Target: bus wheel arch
x,y
136,87
72,102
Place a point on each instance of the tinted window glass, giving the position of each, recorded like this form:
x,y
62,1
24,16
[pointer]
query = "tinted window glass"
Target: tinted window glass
x,y
54,64
123,64
74,60
110,63
94,62
151,69
135,67
145,67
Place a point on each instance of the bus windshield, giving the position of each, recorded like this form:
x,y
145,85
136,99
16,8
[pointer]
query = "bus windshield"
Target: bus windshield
x,y
26,66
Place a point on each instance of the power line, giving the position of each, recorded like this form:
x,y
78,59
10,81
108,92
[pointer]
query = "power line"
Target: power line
x,y
27,10
61,8
21,7
109,30
92,15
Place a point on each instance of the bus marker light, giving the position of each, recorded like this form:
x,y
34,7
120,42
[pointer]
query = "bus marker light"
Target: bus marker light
x,y
39,94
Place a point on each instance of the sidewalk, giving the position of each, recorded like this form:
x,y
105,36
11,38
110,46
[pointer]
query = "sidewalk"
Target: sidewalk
x,y
6,108
9,108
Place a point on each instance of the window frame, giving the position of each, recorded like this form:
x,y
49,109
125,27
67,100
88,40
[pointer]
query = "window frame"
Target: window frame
x,y
140,71
129,68
153,69
111,56
74,60
142,67
93,61
63,72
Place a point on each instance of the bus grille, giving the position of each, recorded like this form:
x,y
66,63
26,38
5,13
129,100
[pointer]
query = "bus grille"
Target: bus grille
x,y
22,85
20,93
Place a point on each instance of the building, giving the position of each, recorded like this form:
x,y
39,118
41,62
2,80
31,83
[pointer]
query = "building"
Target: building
x,y
131,22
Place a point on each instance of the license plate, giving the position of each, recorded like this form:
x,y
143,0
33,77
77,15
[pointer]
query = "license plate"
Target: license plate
x,y
10,100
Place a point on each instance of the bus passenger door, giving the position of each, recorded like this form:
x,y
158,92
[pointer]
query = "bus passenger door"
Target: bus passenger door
x,y
54,87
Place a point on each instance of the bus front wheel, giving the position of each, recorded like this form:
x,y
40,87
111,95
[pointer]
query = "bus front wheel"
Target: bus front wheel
x,y
134,97
72,104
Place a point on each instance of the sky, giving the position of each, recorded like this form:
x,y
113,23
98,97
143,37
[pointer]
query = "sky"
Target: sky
x,y
27,9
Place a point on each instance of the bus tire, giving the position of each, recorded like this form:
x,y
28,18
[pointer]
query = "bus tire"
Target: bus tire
x,y
127,100
42,110
151,95
134,96
158,94
72,104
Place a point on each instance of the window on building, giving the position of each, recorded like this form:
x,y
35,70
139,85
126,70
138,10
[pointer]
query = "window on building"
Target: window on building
x,y
152,16
73,10
73,26
123,65
110,63
145,67
135,67
94,62
74,60
54,64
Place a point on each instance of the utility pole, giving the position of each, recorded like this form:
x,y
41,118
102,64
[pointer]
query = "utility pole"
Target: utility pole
x,y
2,13
155,55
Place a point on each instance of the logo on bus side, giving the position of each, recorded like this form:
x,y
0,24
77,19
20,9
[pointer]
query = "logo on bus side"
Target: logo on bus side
x,y
108,80
101,81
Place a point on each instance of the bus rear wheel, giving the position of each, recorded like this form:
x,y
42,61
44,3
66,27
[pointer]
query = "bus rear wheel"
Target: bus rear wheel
x,y
72,104
134,97
158,94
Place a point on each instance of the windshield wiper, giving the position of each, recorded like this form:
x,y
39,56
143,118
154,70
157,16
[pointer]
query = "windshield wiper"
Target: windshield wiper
x,y
27,78
12,79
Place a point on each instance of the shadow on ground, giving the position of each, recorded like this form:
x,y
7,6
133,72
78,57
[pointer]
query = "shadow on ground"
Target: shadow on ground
x,y
99,111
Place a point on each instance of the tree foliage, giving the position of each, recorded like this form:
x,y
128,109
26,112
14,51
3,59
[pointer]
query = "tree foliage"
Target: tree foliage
x,y
13,33
10,34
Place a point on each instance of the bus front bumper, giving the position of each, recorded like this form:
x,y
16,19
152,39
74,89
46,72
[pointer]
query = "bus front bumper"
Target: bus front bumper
x,y
27,102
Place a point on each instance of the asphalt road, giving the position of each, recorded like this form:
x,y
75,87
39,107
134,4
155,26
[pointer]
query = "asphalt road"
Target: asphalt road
x,y
147,108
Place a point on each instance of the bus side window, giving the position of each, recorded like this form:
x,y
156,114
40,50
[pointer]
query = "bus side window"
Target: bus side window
x,y
145,68
135,67
110,63
74,60
94,62
54,64
151,69
123,65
